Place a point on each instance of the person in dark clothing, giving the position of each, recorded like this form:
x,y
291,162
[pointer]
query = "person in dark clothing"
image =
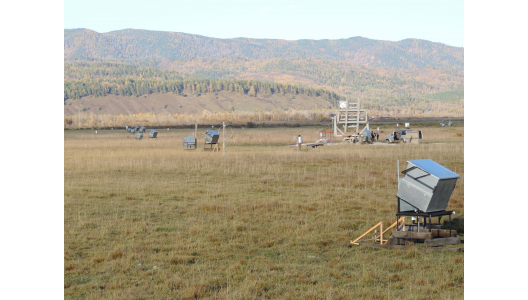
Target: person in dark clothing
x,y
377,136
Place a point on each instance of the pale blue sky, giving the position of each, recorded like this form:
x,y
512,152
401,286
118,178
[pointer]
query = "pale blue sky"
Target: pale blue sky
x,y
437,21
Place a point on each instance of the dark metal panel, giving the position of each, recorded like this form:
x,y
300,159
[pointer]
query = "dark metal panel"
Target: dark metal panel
x,y
442,195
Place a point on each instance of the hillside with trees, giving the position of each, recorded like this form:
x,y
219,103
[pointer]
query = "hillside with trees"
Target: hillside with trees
x,y
412,77
344,78
102,79
135,44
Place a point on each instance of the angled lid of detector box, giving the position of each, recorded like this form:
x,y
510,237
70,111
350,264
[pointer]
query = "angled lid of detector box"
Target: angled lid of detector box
x,y
434,169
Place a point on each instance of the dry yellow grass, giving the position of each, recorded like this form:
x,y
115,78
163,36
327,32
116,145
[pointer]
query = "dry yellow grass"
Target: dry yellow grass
x,y
148,220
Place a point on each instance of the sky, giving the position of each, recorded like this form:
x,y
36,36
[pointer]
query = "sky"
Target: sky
x,y
436,21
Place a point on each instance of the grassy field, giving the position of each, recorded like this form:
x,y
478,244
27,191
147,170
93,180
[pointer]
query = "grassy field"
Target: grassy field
x,y
148,220
170,103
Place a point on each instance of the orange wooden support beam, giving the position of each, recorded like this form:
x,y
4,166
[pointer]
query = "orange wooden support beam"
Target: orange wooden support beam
x,y
380,224
402,219
374,227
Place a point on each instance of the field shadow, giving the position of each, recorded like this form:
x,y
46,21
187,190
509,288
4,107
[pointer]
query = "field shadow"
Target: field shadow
x,y
456,224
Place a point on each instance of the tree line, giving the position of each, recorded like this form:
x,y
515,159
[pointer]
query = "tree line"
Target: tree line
x,y
394,87
344,78
87,70
101,79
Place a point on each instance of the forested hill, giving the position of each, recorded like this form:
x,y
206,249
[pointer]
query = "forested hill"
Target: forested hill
x,y
103,79
158,45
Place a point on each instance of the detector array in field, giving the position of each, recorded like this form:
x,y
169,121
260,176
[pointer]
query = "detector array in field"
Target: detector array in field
x,y
153,133
189,142
211,137
426,186
367,137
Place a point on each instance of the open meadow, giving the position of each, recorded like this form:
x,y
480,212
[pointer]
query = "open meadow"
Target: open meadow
x,y
149,220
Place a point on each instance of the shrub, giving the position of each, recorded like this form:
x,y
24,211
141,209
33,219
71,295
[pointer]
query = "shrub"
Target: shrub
x,y
116,254
182,260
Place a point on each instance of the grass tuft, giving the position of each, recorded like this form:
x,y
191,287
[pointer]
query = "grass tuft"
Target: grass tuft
x,y
98,260
116,254
182,260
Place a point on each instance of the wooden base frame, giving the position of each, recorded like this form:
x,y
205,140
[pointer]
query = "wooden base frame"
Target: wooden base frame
x,y
380,224
214,148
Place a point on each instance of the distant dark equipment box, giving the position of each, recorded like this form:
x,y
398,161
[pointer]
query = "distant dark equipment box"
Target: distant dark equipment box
x,y
211,137
189,142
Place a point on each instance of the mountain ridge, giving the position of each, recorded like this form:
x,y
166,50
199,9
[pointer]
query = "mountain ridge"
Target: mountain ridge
x,y
146,44
113,32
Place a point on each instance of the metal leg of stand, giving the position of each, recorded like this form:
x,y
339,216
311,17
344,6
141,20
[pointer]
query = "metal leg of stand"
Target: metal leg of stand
x,y
397,227
430,223
450,225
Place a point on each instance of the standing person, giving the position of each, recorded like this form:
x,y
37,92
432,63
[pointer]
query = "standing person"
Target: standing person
x,y
377,136
299,141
